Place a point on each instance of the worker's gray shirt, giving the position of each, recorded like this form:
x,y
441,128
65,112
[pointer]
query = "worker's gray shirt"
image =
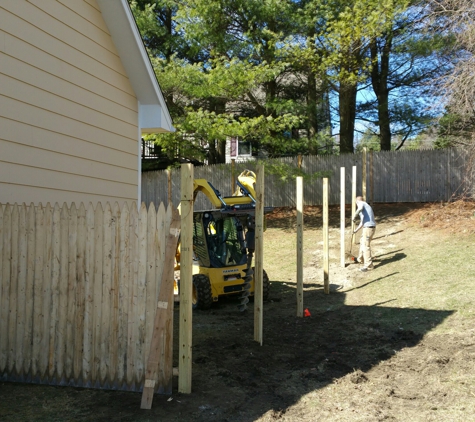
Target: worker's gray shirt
x,y
367,214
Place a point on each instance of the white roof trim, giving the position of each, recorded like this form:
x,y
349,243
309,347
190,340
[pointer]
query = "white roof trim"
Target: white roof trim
x,y
153,112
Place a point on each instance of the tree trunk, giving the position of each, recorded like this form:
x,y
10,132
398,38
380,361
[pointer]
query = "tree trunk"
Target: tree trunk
x,y
312,110
217,147
221,152
312,106
379,80
212,154
347,103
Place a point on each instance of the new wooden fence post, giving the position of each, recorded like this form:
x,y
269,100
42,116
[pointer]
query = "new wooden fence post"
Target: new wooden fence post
x,y
363,179
259,256
353,200
186,280
299,201
371,180
326,281
342,217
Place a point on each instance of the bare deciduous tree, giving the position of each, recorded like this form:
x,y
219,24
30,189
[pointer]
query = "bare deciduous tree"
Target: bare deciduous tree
x,y
458,18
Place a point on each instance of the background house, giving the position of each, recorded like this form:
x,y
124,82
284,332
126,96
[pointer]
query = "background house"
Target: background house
x,y
77,91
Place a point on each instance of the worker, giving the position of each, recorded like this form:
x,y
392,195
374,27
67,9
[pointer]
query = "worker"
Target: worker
x,y
366,214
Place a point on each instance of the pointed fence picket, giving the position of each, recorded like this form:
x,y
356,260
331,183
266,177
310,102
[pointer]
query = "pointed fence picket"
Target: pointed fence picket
x,y
78,291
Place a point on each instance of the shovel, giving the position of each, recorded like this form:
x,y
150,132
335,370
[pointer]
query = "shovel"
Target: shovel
x,y
349,253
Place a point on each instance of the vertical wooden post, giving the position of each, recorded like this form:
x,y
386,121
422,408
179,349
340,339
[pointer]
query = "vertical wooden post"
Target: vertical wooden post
x,y
371,180
169,181
233,175
342,217
186,280
326,279
299,161
353,200
299,202
363,179
259,255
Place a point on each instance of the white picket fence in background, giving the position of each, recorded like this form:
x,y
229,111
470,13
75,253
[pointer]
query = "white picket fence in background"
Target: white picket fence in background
x,y
397,176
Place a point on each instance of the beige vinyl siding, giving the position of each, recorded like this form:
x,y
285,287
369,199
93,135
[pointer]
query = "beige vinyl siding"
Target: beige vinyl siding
x,y
62,70
11,153
57,142
68,114
37,194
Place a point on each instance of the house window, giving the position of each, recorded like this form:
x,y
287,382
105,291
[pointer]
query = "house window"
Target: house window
x,y
244,148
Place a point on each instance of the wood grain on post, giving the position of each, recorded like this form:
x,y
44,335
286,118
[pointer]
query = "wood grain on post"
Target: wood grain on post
x,y
363,179
299,203
326,278
186,280
353,200
259,256
342,216
371,179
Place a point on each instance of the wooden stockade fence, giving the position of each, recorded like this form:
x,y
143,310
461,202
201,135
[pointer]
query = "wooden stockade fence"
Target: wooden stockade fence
x,y
397,176
78,293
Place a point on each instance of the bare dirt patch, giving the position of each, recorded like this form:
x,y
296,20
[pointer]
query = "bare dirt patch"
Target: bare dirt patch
x,y
376,348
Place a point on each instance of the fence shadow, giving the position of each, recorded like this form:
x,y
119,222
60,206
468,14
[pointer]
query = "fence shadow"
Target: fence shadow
x,y
234,377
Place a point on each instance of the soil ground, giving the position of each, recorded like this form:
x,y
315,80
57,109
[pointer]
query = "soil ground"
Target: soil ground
x,y
367,352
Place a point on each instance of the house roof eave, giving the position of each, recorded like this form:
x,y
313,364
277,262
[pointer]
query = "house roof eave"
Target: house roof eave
x,y
128,41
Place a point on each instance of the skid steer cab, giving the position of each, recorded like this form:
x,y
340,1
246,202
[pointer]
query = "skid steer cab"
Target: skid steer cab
x,y
223,245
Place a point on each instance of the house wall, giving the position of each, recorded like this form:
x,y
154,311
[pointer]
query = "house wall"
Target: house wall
x,y
68,115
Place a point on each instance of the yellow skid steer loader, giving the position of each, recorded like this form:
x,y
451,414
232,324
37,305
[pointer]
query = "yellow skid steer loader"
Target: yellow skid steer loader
x,y
223,245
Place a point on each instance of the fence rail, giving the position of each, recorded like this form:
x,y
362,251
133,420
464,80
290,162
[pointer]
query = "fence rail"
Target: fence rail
x,y
401,176
78,293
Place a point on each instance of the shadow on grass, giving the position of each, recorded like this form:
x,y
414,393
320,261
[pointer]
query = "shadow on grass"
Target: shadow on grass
x,y
300,355
234,378
387,235
396,257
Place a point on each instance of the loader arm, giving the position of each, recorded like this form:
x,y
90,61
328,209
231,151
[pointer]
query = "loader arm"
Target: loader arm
x,y
214,196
